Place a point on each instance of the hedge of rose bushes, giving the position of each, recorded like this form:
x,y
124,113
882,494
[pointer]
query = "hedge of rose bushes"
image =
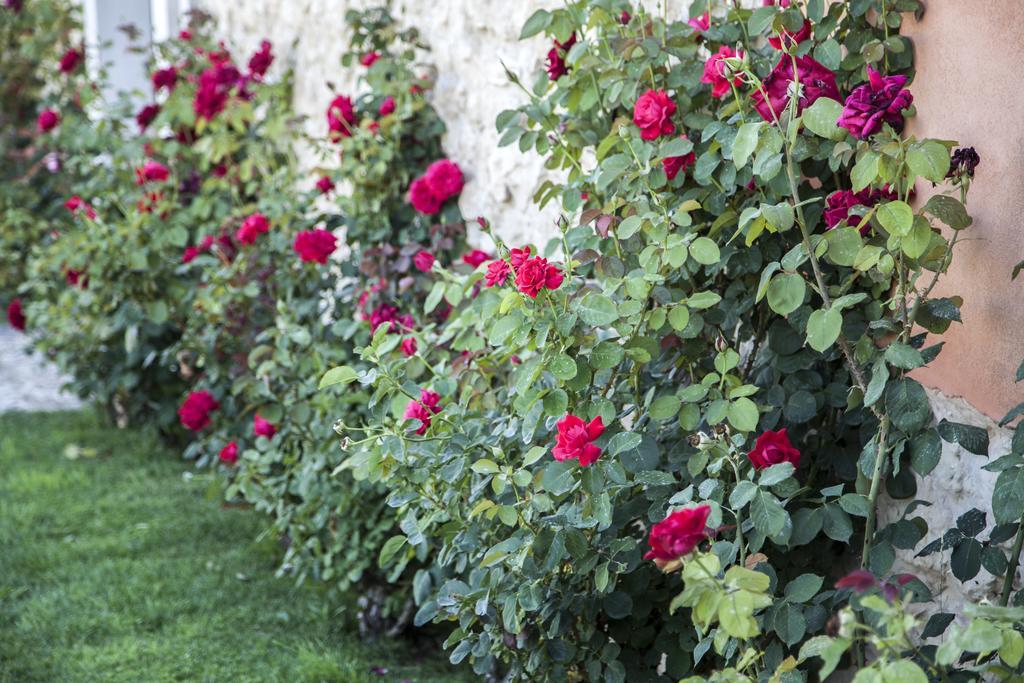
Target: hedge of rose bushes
x,y
703,373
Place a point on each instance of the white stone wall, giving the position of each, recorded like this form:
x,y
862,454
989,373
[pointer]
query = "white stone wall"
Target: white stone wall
x,y
470,39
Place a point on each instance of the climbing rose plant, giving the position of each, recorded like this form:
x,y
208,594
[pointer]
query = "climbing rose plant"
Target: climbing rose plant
x,y
704,370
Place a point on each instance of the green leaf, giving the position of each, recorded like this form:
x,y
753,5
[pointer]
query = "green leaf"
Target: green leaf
x,y
821,118
803,587
1008,496
903,671
562,366
897,217
843,245
743,415
776,474
485,466
767,513
855,504
929,160
537,22
705,251
823,328
622,442
678,317
559,477
865,171
903,356
339,375
390,547
664,407
786,293
907,405
973,439
702,300
597,310
925,452
628,227
966,560
949,210
920,238
745,143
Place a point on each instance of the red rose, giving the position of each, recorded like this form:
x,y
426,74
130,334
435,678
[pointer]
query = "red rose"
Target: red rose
x,y
165,78
387,106
185,35
772,448
497,273
261,427
535,274
445,179
229,454
369,58
424,261
475,258
261,60
556,66
859,580
325,184
75,278
15,315
423,409
678,534
48,120
146,116
786,40
518,257
215,86
409,346
839,204
715,71
575,440
194,413
341,117
673,165
652,114
189,254
624,18
76,204
815,81
881,100
315,245
70,61
151,172
382,314
422,197
251,228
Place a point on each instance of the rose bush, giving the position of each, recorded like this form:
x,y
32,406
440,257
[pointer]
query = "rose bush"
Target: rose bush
x,y
710,341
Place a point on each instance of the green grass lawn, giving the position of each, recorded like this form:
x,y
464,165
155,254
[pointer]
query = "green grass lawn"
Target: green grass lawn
x,y
120,565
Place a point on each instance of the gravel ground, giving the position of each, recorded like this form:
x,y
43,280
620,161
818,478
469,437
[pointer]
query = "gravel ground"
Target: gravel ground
x,y
26,381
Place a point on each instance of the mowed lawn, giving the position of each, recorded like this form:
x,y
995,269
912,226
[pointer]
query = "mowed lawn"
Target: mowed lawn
x,y
118,563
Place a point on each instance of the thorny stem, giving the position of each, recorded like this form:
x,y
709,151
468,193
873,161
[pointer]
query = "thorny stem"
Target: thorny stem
x,y
876,480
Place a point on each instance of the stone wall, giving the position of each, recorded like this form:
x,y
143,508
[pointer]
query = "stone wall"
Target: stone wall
x,y
966,88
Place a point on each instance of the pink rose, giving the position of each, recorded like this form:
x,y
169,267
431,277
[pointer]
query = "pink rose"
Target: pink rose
x,y
422,197
444,178
716,71
151,172
387,106
261,427
701,23
261,60
325,184
369,58
575,440
146,116
408,346
786,40
165,78
76,204
15,315
652,114
556,66
423,410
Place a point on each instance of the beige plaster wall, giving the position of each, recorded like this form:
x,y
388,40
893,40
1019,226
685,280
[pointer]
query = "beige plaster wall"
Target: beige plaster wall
x,y
969,88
